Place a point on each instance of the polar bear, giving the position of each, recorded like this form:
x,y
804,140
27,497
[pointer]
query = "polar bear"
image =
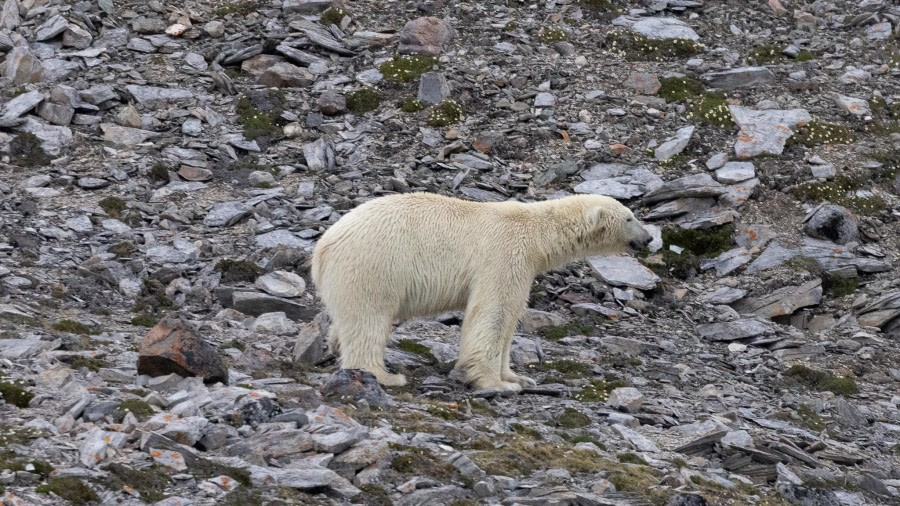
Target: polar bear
x,y
416,255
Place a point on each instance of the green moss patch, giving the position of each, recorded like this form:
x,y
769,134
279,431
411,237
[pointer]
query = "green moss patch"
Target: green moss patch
x,y
445,114
205,469
630,458
71,489
74,327
520,458
412,105
821,380
238,270
259,114
633,46
25,150
112,206
557,332
679,89
840,286
137,407
416,348
526,431
842,190
239,9
159,173
15,435
766,54
123,249
15,393
572,419
144,320
150,482
363,100
405,68
711,108
816,133
599,390
551,34
568,368
333,16
697,244
804,416
9,460
90,363
445,412
413,461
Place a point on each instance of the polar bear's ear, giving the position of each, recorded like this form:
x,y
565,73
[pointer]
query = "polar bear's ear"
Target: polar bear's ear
x,y
598,218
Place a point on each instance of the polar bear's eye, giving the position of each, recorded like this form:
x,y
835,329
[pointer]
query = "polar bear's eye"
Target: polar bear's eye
x,y
630,220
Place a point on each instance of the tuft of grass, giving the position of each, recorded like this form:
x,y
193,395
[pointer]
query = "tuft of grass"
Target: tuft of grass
x,y
237,270
123,249
840,286
159,173
375,495
519,458
25,150
572,419
405,68
92,364
15,435
449,412
821,380
635,47
525,431
803,416
113,206
630,458
413,461
144,320
805,56
679,89
445,114
697,244
70,489
363,100
73,327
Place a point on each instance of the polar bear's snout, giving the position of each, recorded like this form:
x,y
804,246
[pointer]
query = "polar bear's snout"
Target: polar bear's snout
x,y
639,237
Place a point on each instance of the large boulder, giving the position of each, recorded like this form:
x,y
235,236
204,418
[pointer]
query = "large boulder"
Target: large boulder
x,y
173,346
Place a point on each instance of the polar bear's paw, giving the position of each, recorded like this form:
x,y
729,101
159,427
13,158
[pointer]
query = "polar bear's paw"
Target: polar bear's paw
x,y
500,386
391,380
524,381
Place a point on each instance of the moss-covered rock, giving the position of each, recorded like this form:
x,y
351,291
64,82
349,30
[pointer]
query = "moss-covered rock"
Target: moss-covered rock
x,y
150,482
572,419
636,47
405,68
234,271
15,393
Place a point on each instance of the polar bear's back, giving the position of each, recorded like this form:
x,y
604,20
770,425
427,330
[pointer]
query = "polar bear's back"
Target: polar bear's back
x,y
416,252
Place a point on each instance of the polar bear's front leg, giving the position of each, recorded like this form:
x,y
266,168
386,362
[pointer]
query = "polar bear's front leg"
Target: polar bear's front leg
x,y
506,372
488,326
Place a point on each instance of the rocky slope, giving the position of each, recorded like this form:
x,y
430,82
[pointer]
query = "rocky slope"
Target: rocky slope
x,y
167,167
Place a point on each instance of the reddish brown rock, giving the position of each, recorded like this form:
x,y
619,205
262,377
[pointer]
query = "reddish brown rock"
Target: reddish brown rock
x,y
173,346
426,35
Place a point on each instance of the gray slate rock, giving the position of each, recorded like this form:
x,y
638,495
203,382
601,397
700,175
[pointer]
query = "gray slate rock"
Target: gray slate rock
x,y
675,144
694,186
743,77
433,88
765,131
733,330
226,214
658,28
623,271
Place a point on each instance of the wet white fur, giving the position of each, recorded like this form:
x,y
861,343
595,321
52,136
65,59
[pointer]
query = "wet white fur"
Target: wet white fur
x,y
419,254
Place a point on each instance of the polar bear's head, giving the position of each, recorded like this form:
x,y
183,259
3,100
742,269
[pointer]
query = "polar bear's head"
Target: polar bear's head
x,y
613,227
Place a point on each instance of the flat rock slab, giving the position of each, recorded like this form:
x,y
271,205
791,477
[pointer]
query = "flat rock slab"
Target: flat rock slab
x,y
149,94
727,262
658,28
618,181
733,330
743,77
172,346
694,185
784,301
624,271
735,172
765,131
724,295
675,144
